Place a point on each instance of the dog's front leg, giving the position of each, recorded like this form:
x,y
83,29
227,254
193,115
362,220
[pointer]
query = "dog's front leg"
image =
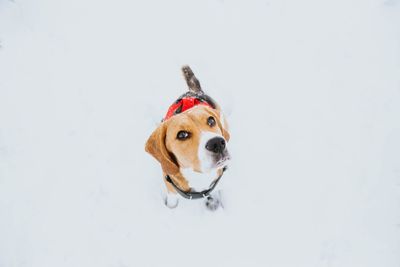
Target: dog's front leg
x,y
214,201
171,199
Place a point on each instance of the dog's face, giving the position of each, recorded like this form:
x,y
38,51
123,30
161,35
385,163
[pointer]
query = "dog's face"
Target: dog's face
x,y
196,139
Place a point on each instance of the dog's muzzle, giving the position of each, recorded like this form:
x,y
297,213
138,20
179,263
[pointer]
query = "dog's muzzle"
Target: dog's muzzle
x,y
216,146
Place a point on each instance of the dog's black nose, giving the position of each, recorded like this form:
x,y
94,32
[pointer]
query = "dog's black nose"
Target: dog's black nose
x,y
216,145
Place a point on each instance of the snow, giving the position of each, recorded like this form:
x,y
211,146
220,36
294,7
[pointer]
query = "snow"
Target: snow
x,y
311,90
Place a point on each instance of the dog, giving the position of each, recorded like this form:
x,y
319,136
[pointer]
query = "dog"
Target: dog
x,y
191,146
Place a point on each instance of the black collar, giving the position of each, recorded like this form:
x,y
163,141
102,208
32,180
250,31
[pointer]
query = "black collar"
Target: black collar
x,y
195,195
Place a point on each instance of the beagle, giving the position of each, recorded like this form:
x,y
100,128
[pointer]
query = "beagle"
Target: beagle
x,y
191,145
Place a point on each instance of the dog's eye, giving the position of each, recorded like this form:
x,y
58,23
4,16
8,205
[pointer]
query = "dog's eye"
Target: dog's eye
x,y
211,121
182,135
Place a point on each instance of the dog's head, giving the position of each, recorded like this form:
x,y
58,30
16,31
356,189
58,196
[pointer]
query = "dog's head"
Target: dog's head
x,y
196,139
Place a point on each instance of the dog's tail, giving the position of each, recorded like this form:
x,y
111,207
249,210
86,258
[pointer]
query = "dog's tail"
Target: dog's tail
x,y
191,80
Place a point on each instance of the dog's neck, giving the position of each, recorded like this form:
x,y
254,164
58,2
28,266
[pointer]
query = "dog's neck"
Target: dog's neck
x,y
199,181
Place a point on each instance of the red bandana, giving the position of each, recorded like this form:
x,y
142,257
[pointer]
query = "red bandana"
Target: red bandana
x,y
184,104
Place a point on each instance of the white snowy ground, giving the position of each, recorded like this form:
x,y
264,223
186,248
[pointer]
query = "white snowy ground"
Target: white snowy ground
x,y
312,92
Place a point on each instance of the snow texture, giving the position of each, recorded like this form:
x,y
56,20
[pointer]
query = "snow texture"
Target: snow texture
x,y
312,93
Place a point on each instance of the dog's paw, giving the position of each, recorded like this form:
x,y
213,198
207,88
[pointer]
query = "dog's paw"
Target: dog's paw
x,y
171,201
212,203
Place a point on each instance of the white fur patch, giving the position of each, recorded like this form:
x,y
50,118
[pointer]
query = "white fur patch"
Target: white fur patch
x,y
199,181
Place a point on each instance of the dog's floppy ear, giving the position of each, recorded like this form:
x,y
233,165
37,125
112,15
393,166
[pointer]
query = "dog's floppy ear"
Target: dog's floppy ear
x,y
226,134
156,147
224,130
